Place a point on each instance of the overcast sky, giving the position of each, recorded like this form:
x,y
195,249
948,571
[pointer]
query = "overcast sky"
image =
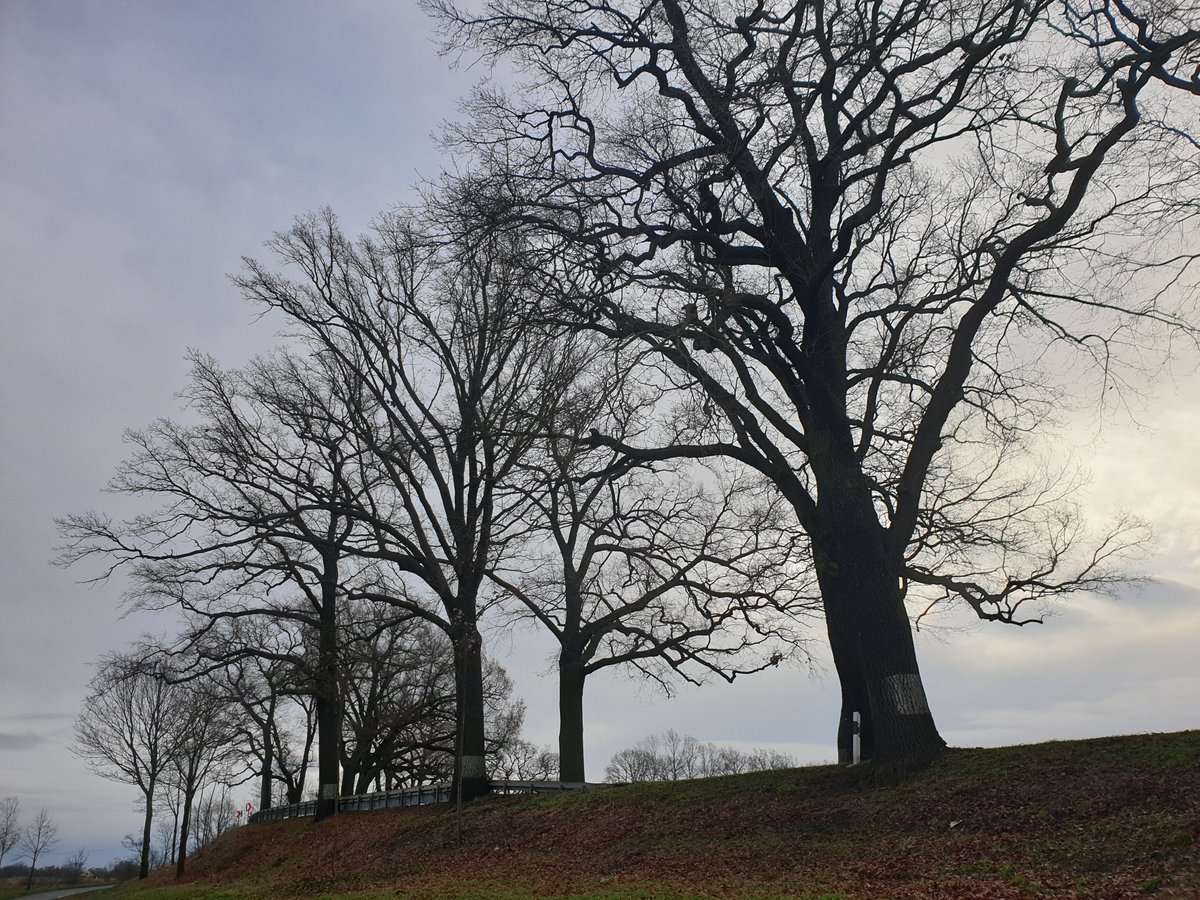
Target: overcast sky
x,y
146,146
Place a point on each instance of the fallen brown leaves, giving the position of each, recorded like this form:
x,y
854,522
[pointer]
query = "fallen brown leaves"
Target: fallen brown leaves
x,y
1113,818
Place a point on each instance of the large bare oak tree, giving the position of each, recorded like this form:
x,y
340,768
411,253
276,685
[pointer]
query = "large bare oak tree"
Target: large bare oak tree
x,y
858,228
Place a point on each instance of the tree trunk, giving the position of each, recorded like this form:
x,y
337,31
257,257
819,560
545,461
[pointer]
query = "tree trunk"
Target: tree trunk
x,y
175,834
871,638
470,773
264,789
362,784
852,678
570,717
184,828
32,869
299,776
144,869
904,731
329,719
328,740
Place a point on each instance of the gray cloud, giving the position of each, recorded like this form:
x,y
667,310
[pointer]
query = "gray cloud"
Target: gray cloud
x,y
41,716
20,741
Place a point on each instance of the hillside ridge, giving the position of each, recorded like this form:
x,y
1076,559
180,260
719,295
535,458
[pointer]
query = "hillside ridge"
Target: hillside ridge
x,y
1105,817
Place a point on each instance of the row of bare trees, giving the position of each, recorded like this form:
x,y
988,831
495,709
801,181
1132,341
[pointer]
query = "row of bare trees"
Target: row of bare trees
x,y
335,519
165,738
672,756
739,309
176,735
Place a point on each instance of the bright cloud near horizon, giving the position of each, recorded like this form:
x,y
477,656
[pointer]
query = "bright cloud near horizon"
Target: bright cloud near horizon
x,y
147,145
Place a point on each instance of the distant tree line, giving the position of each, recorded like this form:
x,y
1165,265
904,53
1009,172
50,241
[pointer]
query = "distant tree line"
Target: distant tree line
x,y
672,756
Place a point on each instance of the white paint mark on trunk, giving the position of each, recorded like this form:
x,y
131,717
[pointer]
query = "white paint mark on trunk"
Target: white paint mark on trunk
x,y
473,767
905,694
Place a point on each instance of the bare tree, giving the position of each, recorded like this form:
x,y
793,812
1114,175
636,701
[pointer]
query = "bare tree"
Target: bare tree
x,y
125,731
260,667
10,825
292,745
855,230
398,677
134,844
38,837
440,379
278,717
401,718
254,523
637,763
667,568
672,756
291,496
203,740
170,805
74,867
520,760
215,814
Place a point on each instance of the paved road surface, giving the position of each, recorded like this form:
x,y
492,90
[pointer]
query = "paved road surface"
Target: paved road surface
x,y
65,892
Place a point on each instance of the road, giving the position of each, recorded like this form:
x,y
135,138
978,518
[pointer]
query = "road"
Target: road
x,y
64,892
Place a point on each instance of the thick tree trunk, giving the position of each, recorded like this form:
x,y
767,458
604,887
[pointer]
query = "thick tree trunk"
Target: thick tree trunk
x,y
904,731
264,788
570,717
362,784
328,702
470,764
328,738
871,638
852,678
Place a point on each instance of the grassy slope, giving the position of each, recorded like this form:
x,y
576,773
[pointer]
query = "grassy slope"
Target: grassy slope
x,y
1113,817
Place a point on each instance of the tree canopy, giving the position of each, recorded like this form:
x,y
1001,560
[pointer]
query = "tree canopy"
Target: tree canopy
x,y
863,233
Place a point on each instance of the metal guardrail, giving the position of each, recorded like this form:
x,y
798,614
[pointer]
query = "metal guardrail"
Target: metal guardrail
x,y
442,792
541,787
